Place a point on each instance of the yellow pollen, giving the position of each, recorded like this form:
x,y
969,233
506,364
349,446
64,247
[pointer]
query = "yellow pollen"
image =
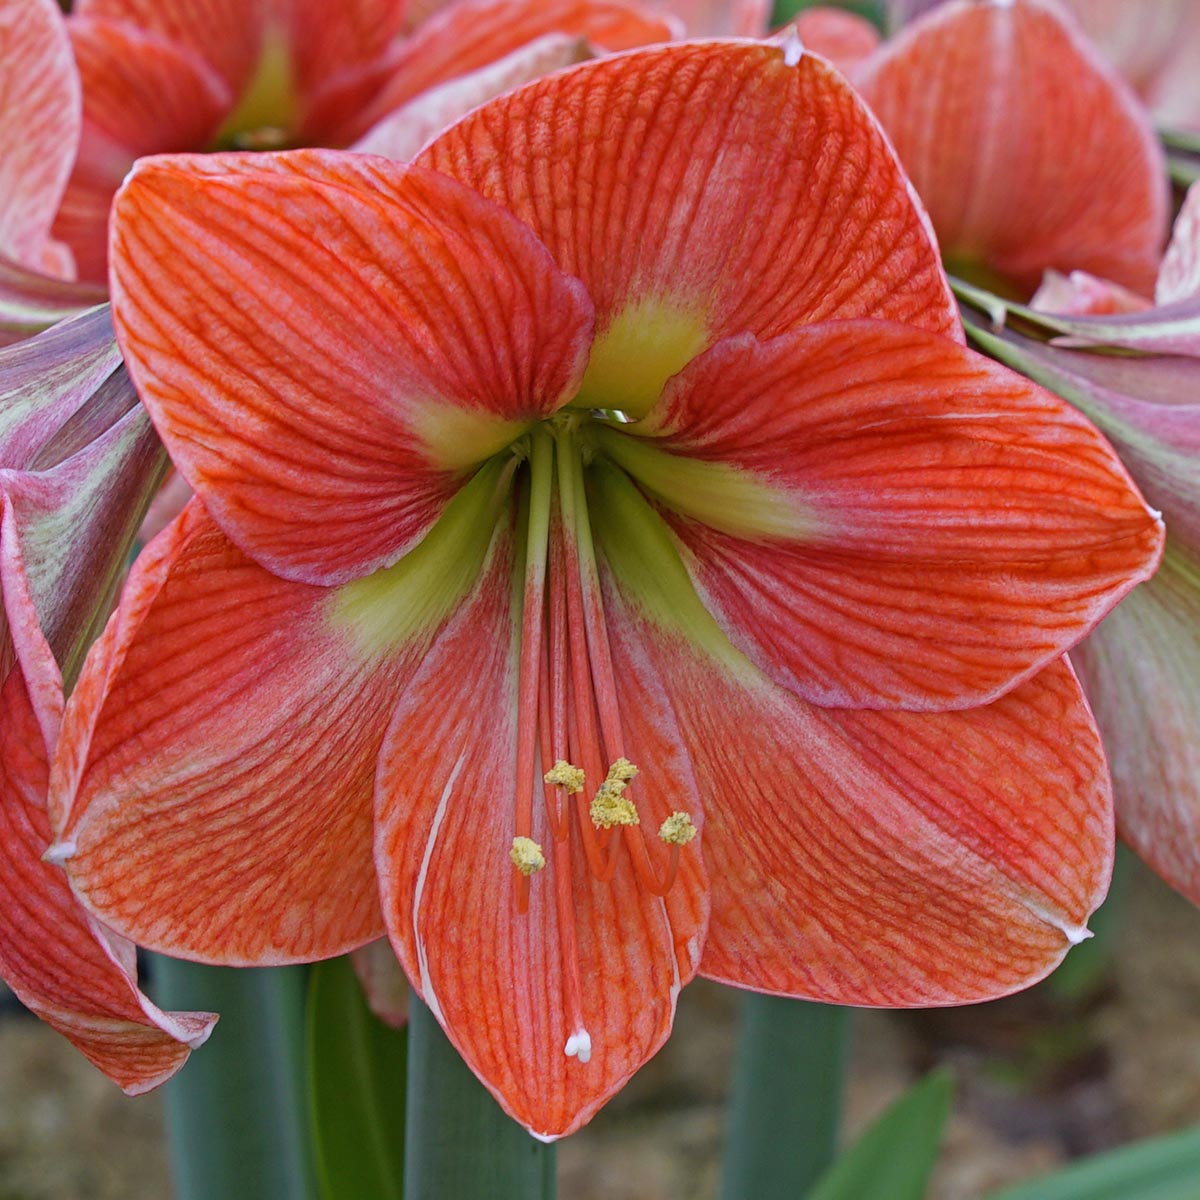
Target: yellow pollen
x,y
677,829
610,806
622,771
526,855
564,775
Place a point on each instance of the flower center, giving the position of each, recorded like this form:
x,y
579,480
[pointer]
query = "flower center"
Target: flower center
x,y
569,713
268,111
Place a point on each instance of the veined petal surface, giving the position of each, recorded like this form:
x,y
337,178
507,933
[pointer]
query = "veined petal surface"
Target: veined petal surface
x,y
898,859
142,94
221,727
403,133
494,977
39,131
703,191
225,34
892,521
1029,151
72,975
470,34
328,343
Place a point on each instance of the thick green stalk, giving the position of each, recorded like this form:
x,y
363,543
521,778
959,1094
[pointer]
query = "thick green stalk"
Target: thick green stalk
x,y
237,1117
785,1106
458,1141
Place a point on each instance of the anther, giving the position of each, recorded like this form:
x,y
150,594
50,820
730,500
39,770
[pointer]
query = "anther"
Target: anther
x,y
526,855
564,775
677,829
610,806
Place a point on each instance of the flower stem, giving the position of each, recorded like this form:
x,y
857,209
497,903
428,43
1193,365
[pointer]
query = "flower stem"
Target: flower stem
x,y
786,1100
457,1140
237,1122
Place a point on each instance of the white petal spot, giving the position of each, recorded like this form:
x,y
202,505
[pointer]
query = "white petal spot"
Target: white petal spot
x,y
579,1045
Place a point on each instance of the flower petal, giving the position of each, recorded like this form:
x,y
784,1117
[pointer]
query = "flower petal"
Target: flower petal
x,y
46,379
1179,274
141,95
845,38
225,34
889,520
1147,406
1141,672
875,858
221,725
331,342
1028,150
39,130
702,190
900,858
719,18
383,982
471,34
76,977
401,134
495,978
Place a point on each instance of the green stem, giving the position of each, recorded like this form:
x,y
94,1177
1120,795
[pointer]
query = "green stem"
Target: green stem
x,y
237,1122
785,1107
458,1142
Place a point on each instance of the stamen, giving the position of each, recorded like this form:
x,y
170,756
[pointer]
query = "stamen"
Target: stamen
x,y
677,829
526,855
564,775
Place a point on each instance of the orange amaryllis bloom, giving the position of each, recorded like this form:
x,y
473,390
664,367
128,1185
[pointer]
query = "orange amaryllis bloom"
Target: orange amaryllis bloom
x,y
612,476
171,75
77,460
1141,667
1028,150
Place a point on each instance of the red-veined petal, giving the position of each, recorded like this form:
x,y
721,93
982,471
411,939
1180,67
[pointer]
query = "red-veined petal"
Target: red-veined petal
x,y
39,131
1028,150
471,34
327,343
495,977
225,34
73,975
879,517
142,94
228,723
704,190
866,857
400,135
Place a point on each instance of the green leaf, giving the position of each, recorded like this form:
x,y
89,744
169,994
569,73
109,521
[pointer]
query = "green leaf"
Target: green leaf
x,y
236,1123
786,1099
459,1143
1164,1168
895,1157
785,10
356,1074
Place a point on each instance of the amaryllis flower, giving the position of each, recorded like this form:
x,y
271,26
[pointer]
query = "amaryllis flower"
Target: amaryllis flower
x,y
78,459
603,544
117,79
1144,658
1028,150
